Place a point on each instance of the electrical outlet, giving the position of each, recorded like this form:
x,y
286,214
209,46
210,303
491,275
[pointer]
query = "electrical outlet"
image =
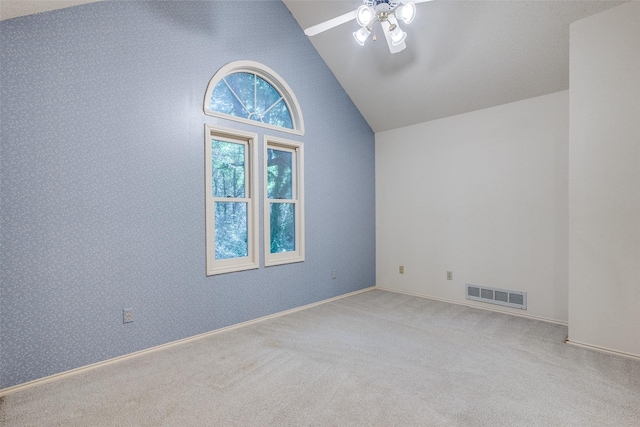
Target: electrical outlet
x,y
334,274
449,275
401,269
127,315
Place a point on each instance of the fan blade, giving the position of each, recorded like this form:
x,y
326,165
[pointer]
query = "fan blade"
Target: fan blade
x,y
331,23
387,35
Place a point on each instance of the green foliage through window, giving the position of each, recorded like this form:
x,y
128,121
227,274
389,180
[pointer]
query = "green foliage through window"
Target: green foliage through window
x,y
249,96
279,174
283,231
231,230
228,169
280,188
228,178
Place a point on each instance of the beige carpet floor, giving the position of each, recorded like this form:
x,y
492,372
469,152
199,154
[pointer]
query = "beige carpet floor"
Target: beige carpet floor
x,y
373,359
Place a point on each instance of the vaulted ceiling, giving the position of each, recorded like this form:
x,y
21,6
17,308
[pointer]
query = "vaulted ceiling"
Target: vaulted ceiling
x,y
461,55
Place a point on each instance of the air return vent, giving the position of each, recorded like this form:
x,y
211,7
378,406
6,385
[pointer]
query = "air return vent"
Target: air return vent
x,y
515,299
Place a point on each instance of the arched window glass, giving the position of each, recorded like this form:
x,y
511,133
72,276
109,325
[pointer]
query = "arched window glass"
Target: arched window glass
x,y
250,96
250,92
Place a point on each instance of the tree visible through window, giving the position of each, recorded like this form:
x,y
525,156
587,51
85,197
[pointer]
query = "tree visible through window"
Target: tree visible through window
x,y
284,201
231,206
250,92
229,188
250,96
280,193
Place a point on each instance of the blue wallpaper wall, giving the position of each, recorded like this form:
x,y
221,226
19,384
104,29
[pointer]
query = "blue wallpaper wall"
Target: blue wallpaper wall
x,y
102,179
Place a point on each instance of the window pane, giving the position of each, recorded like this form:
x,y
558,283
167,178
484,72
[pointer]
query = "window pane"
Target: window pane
x,y
279,116
243,85
283,232
279,175
266,95
231,230
227,169
224,101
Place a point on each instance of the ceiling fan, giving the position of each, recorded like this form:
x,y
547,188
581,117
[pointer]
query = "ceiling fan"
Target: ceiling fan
x,y
386,12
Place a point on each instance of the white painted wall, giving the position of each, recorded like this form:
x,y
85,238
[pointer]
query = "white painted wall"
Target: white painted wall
x,y
483,194
604,180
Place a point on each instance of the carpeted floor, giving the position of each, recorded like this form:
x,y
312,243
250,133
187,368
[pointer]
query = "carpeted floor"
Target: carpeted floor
x,y
373,359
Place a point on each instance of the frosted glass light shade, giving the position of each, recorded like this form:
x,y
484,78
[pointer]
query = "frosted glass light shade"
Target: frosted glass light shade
x,y
361,35
407,12
364,15
397,36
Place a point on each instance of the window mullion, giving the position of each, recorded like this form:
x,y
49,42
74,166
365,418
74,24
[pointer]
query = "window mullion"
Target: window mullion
x,y
248,190
294,174
272,105
238,98
232,199
281,200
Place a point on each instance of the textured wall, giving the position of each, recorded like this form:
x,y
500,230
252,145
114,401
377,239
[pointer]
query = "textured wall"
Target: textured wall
x,y
102,179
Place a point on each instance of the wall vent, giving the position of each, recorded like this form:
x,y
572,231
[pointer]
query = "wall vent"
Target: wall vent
x,y
515,299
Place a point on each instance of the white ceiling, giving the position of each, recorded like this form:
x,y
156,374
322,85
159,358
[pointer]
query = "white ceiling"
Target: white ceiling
x,y
461,55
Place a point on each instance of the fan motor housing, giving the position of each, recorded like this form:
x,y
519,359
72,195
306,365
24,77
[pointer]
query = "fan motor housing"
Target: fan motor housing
x,y
382,5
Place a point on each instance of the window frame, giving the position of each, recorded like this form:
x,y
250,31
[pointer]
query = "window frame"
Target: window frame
x,y
270,77
252,260
297,149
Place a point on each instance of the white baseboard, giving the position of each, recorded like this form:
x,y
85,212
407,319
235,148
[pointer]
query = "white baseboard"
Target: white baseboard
x,y
497,310
55,377
604,350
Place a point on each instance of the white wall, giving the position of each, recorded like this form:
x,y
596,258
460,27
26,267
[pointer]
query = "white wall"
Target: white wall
x,y
483,194
604,180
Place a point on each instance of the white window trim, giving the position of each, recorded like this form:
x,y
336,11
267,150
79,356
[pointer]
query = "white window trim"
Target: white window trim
x,y
273,79
252,260
297,149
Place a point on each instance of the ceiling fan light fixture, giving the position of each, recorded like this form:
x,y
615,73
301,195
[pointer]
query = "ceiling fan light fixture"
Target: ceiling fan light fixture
x,y
364,15
362,35
407,12
397,36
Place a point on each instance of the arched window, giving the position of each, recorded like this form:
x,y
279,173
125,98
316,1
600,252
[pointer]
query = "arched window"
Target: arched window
x,y
250,92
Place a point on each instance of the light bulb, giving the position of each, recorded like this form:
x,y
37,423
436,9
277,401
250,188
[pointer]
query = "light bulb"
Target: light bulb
x,y
364,15
397,36
407,12
362,35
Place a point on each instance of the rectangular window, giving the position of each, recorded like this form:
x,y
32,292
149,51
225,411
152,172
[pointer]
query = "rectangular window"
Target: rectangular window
x,y
283,201
231,200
